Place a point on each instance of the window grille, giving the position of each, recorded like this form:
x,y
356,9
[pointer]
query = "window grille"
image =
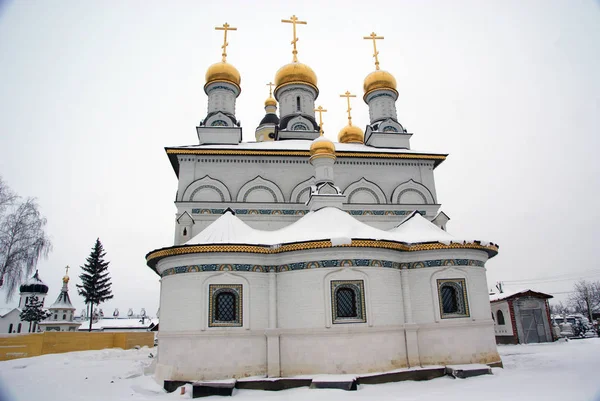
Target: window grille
x,y
225,305
452,295
348,301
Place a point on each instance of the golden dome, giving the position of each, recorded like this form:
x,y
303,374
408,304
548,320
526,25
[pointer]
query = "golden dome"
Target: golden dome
x,y
270,101
351,134
322,147
379,80
295,73
223,71
65,279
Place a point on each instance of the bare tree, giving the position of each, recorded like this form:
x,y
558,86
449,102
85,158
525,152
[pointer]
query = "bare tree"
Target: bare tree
x,y
585,298
559,308
22,238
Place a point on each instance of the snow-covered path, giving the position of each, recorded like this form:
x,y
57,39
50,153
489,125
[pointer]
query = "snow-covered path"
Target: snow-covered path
x,y
558,371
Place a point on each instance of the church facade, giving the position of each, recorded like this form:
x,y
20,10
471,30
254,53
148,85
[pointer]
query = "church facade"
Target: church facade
x,y
297,255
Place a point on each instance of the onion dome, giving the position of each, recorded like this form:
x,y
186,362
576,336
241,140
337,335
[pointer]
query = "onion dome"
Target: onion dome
x,y
223,72
34,284
295,73
379,79
322,147
351,134
270,101
65,279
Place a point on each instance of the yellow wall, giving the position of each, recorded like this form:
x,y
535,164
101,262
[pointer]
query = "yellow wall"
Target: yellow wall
x,y
49,342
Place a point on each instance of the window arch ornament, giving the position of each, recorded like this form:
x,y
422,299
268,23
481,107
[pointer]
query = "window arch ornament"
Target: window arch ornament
x,y
218,123
358,189
225,305
348,301
417,190
206,189
452,294
263,185
500,318
301,192
299,127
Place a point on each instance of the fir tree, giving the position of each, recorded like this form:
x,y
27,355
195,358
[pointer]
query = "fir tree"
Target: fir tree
x,y
33,312
95,280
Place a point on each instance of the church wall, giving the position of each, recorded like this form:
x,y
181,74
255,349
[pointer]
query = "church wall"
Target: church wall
x,y
505,329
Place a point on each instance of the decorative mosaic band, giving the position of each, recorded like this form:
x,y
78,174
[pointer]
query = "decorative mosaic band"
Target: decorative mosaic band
x,y
293,212
318,264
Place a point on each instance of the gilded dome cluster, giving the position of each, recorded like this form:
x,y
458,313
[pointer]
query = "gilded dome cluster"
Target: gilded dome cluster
x,y
379,79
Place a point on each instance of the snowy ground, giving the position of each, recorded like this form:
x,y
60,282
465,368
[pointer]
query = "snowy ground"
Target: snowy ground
x,y
566,371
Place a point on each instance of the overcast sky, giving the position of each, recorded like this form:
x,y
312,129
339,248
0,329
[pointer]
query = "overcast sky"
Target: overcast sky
x,y
92,92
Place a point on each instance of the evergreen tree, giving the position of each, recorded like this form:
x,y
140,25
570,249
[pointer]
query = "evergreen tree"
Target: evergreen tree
x,y
95,280
33,312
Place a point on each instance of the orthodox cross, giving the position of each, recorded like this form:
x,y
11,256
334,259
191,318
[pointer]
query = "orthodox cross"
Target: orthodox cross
x,y
320,110
67,270
225,28
270,85
294,20
373,36
347,95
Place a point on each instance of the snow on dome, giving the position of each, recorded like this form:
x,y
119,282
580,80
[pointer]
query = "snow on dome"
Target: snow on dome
x,y
417,228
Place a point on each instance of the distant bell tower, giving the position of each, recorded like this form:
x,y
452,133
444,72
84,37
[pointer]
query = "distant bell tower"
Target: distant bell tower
x,y
222,87
384,130
32,287
296,91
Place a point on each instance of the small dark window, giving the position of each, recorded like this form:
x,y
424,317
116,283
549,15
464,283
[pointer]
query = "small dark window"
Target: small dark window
x,y
10,327
346,303
19,328
449,299
184,231
55,316
64,317
500,317
225,307
298,103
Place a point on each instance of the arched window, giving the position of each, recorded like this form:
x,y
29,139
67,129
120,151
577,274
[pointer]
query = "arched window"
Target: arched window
x,y
64,317
449,299
500,316
225,309
452,295
19,328
298,103
184,231
10,327
348,301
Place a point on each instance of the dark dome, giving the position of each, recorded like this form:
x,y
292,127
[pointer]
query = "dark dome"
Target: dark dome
x,y
270,119
34,284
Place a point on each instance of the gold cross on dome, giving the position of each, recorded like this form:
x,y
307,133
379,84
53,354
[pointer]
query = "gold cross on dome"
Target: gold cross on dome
x,y
347,95
225,28
373,36
320,110
294,20
67,270
270,85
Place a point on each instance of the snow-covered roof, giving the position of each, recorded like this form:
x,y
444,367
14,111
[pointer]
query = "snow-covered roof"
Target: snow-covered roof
x,y
511,294
6,311
63,301
328,223
297,144
35,279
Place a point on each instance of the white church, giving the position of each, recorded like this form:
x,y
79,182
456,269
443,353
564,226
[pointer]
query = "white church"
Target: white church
x,y
297,255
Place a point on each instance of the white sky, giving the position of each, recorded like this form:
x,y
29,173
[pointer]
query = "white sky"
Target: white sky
x,y
91,93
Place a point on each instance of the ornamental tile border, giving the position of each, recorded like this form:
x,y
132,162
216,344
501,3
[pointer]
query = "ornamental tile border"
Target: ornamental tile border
x,y
292,212
319,264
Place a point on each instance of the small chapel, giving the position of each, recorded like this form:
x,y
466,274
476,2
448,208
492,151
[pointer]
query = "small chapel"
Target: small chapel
x,y
298,255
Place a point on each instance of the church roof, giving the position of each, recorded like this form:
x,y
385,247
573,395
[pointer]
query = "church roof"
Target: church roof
x,y
63,301
328,223
298,147
519,293
270,118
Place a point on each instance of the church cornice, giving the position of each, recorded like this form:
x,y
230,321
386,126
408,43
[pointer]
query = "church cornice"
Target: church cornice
x,y
152,258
